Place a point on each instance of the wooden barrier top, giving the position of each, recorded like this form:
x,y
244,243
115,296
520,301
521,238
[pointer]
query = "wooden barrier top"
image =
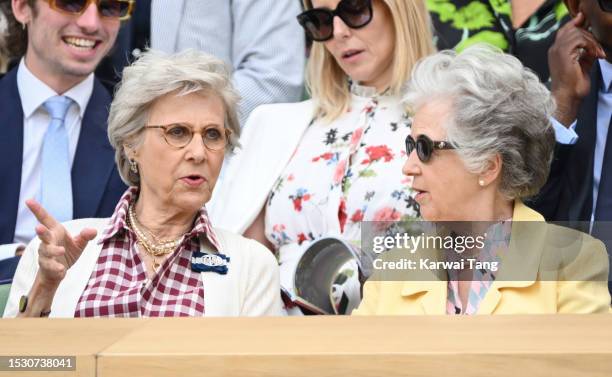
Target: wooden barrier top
x,y
558,345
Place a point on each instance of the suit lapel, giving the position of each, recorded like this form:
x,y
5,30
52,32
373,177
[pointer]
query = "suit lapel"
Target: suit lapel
x,y
11,145
265,142
580,164
434,295
519,268
431,288
94,159
220,290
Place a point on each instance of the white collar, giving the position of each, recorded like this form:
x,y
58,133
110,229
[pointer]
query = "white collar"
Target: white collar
x,y
34,92
606,74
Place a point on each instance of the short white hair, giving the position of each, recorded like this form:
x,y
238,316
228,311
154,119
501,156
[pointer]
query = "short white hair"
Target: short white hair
x,y
498,107
155,74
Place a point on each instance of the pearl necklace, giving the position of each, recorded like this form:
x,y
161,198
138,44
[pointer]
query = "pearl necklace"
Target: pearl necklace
x,y
156,247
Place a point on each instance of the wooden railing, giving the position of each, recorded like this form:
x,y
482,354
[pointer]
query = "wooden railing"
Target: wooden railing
x,y
517,346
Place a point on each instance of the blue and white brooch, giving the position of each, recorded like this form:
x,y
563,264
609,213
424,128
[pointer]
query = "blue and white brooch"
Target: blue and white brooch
x,y
204,262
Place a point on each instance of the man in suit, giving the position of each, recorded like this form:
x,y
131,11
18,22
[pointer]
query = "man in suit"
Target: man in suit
x,y
260,40
54,111
579,189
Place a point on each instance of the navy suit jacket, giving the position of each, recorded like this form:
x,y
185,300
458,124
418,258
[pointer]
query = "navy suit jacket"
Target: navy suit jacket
x,y
568,193
96,185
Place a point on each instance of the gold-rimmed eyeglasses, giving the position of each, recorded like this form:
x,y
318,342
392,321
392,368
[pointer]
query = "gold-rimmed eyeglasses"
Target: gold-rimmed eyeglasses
x,y
180,135
118,9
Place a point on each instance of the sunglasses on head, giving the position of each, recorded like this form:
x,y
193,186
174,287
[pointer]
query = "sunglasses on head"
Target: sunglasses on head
x,y
119,9
425,146
605,5
319,22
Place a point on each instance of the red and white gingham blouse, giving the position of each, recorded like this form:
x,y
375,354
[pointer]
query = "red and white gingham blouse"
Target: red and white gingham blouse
x,y
118,286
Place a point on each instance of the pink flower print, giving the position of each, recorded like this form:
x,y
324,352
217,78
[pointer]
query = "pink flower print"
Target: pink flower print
x,y
342,216
278,228
357,216
301,196
325,156
278,234
387,214
376,153
369,108
301,238
356,137
339,172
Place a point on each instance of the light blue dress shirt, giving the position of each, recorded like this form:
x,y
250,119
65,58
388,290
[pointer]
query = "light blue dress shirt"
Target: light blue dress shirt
x,y
33,92
604,111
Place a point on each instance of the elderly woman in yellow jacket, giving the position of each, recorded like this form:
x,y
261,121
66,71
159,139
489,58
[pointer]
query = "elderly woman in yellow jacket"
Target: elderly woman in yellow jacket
x,y
481,140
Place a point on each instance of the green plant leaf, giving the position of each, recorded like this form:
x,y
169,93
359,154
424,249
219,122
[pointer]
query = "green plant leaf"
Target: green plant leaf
x,y
501,7
561,11
494,38
473,16
367,173
443,8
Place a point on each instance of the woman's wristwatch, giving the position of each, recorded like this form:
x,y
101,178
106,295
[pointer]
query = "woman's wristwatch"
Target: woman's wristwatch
x,y
23,305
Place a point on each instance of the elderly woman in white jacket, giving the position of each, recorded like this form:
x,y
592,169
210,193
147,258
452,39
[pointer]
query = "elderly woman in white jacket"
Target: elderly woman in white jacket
x,y
171,123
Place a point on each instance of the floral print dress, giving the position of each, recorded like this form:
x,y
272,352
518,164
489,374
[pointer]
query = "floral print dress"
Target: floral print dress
x,y
341,174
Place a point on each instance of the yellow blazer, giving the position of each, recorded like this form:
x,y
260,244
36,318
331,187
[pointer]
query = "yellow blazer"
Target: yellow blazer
x,y
579,283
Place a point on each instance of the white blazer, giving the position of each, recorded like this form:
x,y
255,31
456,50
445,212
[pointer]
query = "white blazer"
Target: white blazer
x,y
250,287
270,136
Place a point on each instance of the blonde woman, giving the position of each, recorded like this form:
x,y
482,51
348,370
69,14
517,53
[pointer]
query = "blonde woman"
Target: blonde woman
x,y
320,167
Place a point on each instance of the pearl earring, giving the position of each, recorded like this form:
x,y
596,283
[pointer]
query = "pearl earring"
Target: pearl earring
x,y
481,182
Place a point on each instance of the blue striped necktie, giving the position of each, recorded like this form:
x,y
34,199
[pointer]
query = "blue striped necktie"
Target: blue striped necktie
x,y
56,183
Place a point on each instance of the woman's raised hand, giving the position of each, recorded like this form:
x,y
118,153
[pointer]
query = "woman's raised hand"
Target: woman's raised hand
x,y
58,249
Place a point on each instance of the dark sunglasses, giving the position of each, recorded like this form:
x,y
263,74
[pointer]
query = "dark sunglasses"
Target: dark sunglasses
x,y
319,22
425,146
605,5
119,9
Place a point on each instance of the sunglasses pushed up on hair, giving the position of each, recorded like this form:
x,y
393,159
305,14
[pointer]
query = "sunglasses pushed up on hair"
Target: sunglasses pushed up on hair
x,y
319,22
425,146
118,9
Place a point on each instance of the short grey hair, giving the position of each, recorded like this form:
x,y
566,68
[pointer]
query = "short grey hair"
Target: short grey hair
x,y
155,74
498,107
